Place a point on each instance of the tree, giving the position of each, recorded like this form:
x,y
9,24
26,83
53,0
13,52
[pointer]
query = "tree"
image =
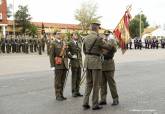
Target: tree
x,y
22,18
134,26
32,30
86,14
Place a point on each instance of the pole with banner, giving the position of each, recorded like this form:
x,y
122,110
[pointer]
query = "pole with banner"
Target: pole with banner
x,y
121,32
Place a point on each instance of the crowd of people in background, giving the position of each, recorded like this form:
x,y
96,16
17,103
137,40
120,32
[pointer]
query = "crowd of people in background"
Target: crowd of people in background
x,y
24,44
147,44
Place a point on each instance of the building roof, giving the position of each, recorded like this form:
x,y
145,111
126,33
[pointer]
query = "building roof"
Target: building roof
x,y
53,25
149,30
57,25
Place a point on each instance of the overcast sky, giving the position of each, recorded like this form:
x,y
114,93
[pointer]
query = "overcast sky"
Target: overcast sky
x,y
62,11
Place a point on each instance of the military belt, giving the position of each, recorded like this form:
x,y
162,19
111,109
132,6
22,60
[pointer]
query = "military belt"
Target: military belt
x,y
96,54
108,59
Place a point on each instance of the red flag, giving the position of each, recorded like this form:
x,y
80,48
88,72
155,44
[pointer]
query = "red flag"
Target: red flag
x,y
121,32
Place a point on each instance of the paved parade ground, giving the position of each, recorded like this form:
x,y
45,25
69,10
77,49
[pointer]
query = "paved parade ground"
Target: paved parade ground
x,y
26,85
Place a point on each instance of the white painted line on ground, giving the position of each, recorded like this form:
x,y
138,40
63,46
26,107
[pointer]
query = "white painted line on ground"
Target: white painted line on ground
x,y
153,111
4,86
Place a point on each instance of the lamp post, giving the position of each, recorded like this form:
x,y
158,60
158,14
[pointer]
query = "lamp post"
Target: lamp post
x,y
13,22
140,25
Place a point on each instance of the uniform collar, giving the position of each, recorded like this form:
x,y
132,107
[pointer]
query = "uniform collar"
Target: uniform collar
x,y
93,32
58,40
75,41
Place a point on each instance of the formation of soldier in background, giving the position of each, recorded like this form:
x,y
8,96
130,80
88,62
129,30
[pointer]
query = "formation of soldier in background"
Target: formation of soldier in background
x,y
24,44
27,44
154,43
149,43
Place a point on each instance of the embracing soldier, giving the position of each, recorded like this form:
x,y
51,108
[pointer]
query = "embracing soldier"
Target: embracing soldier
x,y
93,45
108,70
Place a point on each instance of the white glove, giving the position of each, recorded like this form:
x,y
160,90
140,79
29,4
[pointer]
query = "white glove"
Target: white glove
x,y
74,56
52,68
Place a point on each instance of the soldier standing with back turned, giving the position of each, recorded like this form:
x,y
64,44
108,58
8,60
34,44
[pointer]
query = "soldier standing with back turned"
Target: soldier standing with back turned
x,y
92,48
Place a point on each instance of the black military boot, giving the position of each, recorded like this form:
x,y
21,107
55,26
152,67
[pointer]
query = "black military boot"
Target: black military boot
x,y
85,107
64,98
74,95
97,108
102,103
59,98
79,95
115,102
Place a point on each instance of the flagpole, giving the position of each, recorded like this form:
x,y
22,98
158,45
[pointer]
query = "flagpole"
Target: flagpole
x,y
124,27
128,8
140,24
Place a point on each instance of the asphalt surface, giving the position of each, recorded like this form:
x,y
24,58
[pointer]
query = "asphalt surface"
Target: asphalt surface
x,y
26,85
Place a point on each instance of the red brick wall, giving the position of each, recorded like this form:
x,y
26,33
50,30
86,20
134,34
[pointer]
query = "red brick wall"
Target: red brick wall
x,y
3,10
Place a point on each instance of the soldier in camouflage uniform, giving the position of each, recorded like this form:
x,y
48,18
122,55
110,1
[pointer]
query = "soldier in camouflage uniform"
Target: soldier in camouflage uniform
x,y
39,47
59,64
8,45
3,45
35,44
48,42
23,45
31,45
76,64
26,46
43,42
19,45
92,48
108,70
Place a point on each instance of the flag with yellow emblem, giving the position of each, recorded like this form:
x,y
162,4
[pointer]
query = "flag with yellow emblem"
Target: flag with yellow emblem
x,y
121,32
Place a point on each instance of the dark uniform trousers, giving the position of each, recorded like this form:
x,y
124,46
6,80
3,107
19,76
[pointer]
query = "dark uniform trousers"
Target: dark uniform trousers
x,y
108,77
60,69
76,63
76,77
59,80
93,67
60,77
93,78
39,48
48,46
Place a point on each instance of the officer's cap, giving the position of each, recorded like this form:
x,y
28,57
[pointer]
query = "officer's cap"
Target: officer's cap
x,y
107,32
95,22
